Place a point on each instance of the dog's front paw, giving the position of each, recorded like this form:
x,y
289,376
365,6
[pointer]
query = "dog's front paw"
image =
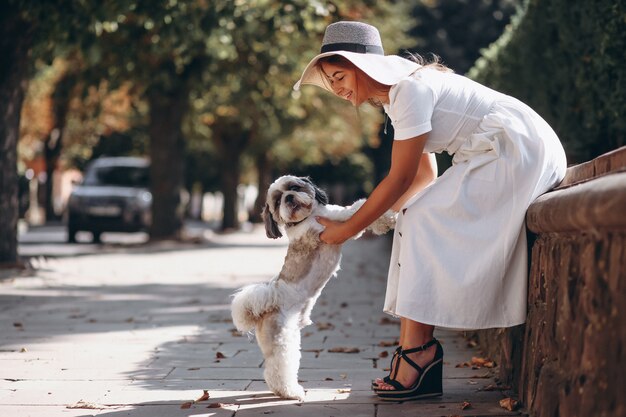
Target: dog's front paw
x,y
384,223
305,322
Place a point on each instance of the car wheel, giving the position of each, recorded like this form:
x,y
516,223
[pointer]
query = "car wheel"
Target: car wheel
x,y
97,237
71,235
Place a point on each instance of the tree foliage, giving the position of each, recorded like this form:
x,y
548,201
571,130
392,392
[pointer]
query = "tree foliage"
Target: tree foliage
x,y
565,59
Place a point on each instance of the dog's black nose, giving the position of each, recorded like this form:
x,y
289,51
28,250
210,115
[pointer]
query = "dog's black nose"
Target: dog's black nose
x,y
289,198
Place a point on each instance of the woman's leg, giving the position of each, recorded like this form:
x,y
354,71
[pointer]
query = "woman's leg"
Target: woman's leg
x,y
413,334
379,381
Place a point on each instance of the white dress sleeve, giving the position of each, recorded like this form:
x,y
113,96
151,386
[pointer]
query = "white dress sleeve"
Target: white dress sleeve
x,y
411,105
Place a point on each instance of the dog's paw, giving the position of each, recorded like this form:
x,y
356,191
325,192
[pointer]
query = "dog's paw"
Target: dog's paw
x,y
305,322
384,223
293,393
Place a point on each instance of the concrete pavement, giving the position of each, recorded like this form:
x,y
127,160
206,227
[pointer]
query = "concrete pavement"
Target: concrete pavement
x,y
145,330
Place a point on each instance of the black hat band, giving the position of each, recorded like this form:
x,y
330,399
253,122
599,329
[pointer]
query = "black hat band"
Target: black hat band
x,y
353,47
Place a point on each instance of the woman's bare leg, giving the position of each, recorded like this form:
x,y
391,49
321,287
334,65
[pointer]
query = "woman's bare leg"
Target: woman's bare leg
x,y
401,340
414,334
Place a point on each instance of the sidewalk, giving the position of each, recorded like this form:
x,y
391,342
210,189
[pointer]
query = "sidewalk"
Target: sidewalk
x,y
145,331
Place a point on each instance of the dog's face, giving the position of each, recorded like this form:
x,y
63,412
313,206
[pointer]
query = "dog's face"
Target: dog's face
x,y
290,200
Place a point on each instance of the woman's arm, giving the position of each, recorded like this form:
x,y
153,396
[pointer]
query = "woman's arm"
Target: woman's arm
x,y
426,173
402,176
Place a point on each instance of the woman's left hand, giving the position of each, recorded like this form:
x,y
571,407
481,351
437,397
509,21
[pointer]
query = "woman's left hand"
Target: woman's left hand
x,y
334,233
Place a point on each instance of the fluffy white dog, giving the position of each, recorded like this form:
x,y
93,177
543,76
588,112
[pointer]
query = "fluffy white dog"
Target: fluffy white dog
x,y
278,309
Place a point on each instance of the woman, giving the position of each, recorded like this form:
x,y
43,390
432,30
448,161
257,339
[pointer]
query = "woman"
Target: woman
x,y
459,253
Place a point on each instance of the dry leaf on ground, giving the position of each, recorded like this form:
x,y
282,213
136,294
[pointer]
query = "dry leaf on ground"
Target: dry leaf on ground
x,y
325,326
465,405
477,363
341,349
219,355
219,405
383,354
205,396
186,405
509,404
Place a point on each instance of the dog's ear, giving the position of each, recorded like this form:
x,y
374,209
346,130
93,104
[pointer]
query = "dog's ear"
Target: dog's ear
x,y
271,227
320,195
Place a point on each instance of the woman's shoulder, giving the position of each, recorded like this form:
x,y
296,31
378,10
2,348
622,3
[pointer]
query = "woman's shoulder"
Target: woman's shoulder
x,y
417,84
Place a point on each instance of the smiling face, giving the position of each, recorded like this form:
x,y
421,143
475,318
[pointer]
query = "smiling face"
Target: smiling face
x,y
343,81
350,83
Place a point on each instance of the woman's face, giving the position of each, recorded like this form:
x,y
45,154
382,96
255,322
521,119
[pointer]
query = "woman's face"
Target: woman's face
x,y
344,82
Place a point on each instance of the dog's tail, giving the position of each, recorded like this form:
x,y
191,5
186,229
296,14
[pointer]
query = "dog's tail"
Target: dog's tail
x,y
251,302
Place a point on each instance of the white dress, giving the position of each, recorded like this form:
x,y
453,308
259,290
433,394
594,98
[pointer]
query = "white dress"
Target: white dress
x,y
459,257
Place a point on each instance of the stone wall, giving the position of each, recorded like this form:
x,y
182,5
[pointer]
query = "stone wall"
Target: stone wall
x,y
569,358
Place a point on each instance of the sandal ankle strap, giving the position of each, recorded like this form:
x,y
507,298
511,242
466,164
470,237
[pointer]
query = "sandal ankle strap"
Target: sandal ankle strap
x,y
421,348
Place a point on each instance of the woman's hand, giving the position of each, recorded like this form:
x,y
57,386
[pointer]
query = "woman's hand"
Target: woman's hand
x,y
335,233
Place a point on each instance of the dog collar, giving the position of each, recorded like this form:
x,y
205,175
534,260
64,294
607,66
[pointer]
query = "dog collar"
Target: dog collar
x,y
295,223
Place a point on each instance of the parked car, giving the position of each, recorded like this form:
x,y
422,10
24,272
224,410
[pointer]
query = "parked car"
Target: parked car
x,y
114,196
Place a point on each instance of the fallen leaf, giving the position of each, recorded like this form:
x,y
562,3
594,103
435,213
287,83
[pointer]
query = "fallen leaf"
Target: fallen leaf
x,y
387,320
205,396
465,405
87,405
328,379
325,326
343,376
219,405
129,320
343,390
509,404
343,305
220,355
383,354
23,350
387,344
186,405
482,362
344,350
193,369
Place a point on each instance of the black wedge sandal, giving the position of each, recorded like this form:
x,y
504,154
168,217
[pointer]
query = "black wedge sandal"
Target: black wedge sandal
x,y
386,379
429,380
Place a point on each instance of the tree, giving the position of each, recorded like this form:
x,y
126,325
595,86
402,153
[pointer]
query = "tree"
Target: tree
x,y
250,105
28,29
457,30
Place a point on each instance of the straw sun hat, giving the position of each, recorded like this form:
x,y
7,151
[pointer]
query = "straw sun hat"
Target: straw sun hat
x,y
359,43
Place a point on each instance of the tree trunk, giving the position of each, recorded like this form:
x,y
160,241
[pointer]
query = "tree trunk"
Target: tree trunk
x,y
231,140
230,173
265,179
166,154
52,151
15,44
54,141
